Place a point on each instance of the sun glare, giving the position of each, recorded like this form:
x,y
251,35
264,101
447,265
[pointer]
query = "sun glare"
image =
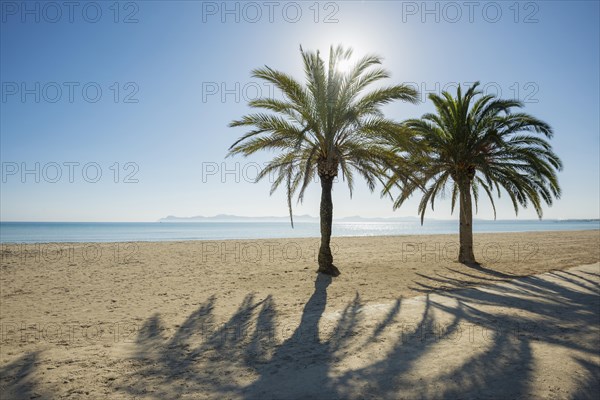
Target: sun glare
x,y
345,66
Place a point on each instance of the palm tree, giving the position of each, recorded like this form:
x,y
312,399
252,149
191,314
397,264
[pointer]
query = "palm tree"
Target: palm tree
x,y
477,142
322,127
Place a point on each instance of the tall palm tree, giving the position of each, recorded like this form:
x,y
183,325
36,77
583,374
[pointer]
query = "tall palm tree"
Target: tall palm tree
x,y
322,127
475,141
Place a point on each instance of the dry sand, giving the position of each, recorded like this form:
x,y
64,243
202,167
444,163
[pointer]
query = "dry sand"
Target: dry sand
x,y
250,319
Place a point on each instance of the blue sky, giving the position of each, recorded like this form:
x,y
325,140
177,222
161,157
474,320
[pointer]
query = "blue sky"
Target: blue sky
x,y
142,93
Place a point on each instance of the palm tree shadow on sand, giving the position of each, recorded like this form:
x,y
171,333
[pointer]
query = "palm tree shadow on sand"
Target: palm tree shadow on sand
x,y
17,379
241,358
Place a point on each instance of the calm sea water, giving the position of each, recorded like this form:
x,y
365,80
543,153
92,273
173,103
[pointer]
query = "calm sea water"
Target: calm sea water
x,y
42,232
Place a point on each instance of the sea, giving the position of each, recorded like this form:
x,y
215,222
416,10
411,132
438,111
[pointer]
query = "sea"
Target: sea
x,y
47,232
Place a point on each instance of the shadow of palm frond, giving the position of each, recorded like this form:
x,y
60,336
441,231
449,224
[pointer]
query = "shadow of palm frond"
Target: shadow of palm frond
x,y
17,380
587,385
490,272
549,313
243,357
387,321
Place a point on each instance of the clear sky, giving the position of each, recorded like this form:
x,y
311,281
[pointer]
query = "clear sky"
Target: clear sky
x,y
120,111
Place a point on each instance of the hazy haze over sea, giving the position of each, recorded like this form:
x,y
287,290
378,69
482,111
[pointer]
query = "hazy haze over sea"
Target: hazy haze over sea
x,y
41,232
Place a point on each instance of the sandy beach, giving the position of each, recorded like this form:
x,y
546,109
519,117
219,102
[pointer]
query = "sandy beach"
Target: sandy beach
x,y
249,319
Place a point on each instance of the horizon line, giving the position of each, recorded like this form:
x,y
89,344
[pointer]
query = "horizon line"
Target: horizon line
x,y
287,220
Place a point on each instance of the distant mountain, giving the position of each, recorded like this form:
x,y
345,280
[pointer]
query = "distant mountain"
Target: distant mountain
x,y
358,218
237,218
297,218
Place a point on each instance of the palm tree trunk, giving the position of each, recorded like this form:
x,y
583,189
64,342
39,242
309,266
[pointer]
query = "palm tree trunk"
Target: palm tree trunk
x,y
465,254
325,257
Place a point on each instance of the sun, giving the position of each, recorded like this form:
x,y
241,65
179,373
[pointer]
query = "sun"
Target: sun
x,y
344,66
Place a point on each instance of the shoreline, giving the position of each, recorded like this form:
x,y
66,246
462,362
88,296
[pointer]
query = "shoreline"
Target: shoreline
x,y
333,237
